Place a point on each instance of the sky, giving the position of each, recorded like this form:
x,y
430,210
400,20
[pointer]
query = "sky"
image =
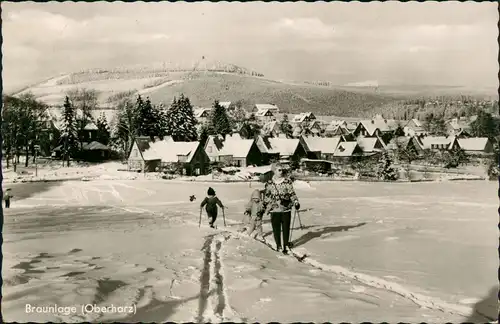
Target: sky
x,y
435,43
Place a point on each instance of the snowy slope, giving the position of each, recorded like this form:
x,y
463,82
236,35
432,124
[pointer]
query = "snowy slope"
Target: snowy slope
x,y
382,252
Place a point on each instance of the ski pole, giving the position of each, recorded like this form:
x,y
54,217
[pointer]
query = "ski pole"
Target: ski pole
x,y
298,216
224,216
199,224
290,244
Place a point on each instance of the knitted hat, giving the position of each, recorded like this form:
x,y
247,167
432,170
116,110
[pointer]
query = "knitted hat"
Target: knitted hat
x,y
256,194
211,191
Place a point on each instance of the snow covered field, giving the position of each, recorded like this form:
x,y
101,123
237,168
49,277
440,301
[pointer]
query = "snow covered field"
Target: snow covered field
x,y
377,252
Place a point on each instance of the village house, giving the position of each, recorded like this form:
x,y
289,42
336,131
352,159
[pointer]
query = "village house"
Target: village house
x,y
271,129
273,108
378,126
336,128
213,145
298,130
370,145
240,152
95,152
304,117
315,127
89,132
264,116
475,145
348,150
436,143
414,127
320,147
202,115
225,104
281,148
459,126
188,157
410,143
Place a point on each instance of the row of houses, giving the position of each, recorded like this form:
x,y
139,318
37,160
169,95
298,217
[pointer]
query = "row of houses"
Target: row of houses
x,y
194,159
269,116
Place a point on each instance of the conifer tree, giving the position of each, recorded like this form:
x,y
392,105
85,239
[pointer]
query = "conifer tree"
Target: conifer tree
x,y
146,121
180,121
220,120
69,130
285,126
103,132
385,169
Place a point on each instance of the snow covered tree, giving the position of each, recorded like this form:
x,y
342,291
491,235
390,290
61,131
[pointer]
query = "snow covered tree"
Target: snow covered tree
x,y
180,120
219,120
125,129
103,132
238,113
285,126
146,119
385,169
250,127
84,101
69,134
161,127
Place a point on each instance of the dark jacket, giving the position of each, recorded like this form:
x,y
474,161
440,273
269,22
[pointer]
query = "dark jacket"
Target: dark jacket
x,y
7,195
211,203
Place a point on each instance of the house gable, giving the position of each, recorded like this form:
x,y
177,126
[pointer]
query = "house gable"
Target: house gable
x,y
135,152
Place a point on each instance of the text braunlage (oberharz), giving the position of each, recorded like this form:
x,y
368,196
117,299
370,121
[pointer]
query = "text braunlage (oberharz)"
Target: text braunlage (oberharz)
x,y
81,309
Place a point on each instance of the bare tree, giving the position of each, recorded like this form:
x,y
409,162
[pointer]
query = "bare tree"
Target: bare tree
x,y
84,102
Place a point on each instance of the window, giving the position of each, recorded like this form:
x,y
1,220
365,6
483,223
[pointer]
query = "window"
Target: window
x,y
209,149
135,154
197,171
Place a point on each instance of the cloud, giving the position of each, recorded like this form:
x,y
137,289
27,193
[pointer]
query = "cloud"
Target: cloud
x,y
365,41
312,28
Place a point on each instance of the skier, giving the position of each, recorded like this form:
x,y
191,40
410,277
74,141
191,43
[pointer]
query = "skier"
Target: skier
x,y
279,199
254,211
6,197
211,202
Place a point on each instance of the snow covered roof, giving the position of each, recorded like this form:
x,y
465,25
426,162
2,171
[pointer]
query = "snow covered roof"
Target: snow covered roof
x,y
234,136
169,151
95,146
90,127
263,112
347,149
269,127
266,106
283,146
415,121
367,144
303,116
473,143
225,104
428,141
326,145
384,125
337,122
202,112
237,148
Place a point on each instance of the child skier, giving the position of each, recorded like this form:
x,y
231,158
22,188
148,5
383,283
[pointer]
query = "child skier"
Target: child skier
x,y
211,202
255,212
6,197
